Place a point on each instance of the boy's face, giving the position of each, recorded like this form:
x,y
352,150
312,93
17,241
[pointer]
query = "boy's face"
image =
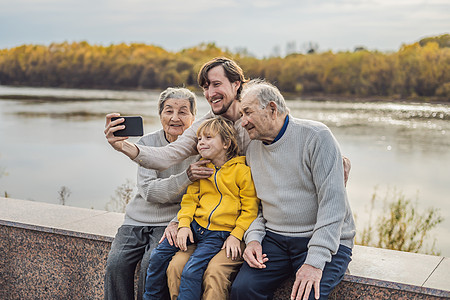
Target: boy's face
x,y
211,147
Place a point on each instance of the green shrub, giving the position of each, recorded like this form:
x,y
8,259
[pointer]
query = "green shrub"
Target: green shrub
x,y
401,226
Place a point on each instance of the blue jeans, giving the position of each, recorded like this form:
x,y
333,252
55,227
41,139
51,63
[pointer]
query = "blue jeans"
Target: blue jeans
x,y
286,255
208,243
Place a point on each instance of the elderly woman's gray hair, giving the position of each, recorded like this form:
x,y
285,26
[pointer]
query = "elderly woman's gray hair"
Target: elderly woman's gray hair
x,y
178,93
265,92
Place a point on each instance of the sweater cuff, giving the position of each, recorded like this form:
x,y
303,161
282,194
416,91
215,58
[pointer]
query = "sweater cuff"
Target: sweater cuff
x,y
139,158
238,233
175,219
318,257
253,236
186,177
184,222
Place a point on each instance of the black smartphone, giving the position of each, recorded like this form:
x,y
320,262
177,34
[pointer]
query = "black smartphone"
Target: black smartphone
x,y
133,126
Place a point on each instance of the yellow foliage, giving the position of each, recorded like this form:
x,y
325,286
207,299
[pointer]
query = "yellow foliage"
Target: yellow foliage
x,y
417,69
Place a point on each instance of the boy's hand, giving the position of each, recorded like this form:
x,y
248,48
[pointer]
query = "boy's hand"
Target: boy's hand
x,y
183,234
233,247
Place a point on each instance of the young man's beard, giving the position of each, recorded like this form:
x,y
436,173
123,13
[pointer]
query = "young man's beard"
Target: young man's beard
x,y
224,108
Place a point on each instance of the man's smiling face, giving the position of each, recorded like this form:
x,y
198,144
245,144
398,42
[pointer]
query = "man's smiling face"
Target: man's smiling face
x,y
219,91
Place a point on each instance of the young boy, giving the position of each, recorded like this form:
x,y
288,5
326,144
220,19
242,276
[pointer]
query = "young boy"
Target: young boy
x,y
215,212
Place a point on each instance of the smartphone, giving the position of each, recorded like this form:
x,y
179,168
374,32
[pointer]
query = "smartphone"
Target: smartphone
x,y
133,126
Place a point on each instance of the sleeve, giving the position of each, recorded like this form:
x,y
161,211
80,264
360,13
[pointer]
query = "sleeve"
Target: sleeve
x,y
161,190
328,177
175,219
256,230
189,204
161,158
249,204
152,188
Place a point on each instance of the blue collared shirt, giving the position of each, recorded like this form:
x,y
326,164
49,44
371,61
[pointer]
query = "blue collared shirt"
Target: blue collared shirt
x,y
280,134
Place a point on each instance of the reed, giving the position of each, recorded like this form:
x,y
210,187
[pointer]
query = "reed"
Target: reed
x,y
122,195
401,225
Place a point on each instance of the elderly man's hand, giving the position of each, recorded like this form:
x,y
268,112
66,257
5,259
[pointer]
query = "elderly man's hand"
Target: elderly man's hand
x,y
198,170
253,255
347,167
306,278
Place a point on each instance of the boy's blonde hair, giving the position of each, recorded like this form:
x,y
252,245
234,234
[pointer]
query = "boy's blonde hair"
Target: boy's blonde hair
x,y
226,131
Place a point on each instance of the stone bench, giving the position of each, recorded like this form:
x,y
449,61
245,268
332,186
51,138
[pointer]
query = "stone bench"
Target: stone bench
x,y
51,251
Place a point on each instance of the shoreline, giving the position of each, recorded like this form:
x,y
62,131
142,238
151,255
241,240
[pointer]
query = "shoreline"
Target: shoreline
x,y
291,96
371,99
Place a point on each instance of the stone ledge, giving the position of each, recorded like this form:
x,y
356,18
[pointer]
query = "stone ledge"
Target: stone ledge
x,y
53,218
38,239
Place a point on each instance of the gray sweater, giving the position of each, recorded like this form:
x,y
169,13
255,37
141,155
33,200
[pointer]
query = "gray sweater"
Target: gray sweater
x,y
300,182
159,193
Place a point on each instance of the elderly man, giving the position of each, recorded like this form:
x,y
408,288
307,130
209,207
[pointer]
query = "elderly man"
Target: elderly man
x,y
305,226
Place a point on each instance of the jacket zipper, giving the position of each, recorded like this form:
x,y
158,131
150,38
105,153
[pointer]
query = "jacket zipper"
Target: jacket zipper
x,y
217,187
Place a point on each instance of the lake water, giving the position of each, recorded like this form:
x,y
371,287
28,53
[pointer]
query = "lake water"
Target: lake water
x,y
55,138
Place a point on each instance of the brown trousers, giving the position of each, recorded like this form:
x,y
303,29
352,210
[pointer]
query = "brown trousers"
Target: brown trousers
x,y
217,279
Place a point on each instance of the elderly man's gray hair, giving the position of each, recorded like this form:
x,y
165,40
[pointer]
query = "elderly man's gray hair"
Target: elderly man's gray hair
x,y
178,93
265,92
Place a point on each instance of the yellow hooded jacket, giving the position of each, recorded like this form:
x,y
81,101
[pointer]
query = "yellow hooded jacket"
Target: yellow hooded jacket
x,y
226,201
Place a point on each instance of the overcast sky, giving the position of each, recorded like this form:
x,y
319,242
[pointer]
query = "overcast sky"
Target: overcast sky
x,y
257,25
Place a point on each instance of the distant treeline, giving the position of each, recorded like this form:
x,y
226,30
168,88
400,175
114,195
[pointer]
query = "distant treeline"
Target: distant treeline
x,y
420,69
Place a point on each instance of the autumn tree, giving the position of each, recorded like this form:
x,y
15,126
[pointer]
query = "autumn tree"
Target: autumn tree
x,y
419,69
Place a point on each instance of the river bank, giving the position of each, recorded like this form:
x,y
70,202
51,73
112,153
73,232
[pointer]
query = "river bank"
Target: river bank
x,y
359,99
292,96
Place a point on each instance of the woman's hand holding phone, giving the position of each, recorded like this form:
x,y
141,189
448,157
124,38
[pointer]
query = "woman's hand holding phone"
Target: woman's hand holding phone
x,y
119,143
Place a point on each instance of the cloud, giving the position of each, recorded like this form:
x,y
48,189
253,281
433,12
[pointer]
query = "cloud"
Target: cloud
x,y
252,24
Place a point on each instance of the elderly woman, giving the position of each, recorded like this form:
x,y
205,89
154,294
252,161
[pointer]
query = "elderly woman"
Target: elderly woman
x,y
157,200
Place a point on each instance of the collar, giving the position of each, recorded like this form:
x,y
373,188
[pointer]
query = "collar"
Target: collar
x,y
282,131
166,137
